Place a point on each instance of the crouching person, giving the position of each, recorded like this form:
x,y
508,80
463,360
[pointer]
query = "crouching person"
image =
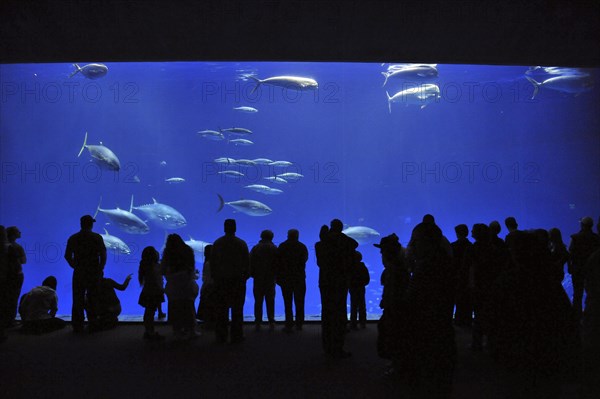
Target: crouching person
x,y
38,309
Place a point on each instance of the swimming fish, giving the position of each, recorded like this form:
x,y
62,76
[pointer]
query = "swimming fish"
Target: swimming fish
x,y
261,188
162,215
262,161
276,179
102,155
236,130
420,95
244,162
362,234
197,245
225,160
291,176
249,207
283,164
287,82
248,110
90,71
115,244
175,180
211,135
125,220
571,84
243,142
231,173
411,71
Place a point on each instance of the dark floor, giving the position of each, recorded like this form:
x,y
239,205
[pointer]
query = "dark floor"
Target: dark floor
x,y
120,364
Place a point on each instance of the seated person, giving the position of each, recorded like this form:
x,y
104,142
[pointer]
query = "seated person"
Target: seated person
x,y
38,309
105,303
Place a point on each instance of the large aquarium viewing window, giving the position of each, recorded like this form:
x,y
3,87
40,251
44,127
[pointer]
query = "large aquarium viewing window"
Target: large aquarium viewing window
x,y
280,145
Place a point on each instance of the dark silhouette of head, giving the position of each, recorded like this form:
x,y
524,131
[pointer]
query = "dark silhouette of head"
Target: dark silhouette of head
x,y
495,228
480,232
51,282
336,226
207,252
323,232
266,235
230,226
587,223
555,236
429,219
461,230
86,222
150,255
293,235
174,241
511,223
357,256
12,233
389,245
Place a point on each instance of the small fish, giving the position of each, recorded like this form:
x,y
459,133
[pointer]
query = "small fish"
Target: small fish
x,y
571,84
90,71
283,164
287,82
102,155
163,215
248,110
411,71
244,162
231,173
290,176
262,161
211,135
276,179
236,130
420,95
241,142
362,234
163,163
225,160
261,188
115,244
125,220
197,245
175,180
249,207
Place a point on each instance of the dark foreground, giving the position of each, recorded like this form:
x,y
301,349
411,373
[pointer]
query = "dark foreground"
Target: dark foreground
x,y
119,364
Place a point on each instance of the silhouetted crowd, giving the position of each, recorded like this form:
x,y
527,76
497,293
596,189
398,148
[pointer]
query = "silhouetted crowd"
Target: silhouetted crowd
x,y
508,292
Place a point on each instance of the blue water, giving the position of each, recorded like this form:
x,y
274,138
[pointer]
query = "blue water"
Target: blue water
x,y
482,152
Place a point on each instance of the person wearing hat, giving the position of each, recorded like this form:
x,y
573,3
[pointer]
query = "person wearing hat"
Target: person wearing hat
x,y
582,245
86,254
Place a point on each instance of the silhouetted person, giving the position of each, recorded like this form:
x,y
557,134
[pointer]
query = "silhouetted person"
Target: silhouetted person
x,y
105,303
230,263
591,321
291,277
263,260
559,255
513,230
582,245
463,295
4,310
531,320
484,268
207,306
86,254
427,220
394,279
428,303
178,264
152,295
359,279
335,257
38,309
16,260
